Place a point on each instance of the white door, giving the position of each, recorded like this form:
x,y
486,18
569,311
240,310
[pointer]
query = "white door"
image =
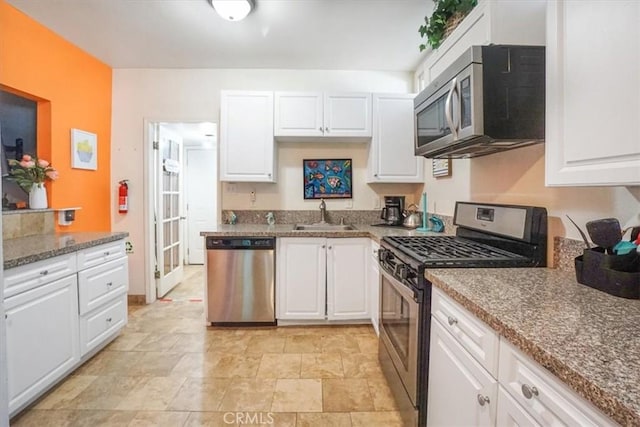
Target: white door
x,y
200,191
169,245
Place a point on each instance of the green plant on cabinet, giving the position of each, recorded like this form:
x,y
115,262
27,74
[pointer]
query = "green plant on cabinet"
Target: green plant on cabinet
x,y
447,13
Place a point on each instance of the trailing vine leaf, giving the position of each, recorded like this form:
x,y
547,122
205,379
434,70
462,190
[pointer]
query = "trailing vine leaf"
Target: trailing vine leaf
x,y
435,26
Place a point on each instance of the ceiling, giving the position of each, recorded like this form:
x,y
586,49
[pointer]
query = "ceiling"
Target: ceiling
x,y
293,34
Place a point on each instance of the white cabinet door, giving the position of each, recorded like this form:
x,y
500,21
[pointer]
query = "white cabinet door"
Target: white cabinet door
x,y
42,338
391,157
593,103
461,392
246,137
347,285
510,413
301,276
299,114
347,115
374,286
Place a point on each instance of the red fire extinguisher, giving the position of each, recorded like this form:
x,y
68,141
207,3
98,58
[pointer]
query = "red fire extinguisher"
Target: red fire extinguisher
x,y
123,197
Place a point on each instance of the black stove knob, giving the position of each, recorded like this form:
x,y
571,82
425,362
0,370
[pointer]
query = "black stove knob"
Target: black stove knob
x,y
401,271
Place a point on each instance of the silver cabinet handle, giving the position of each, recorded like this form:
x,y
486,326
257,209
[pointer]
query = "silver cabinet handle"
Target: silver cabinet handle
x,y
183,217
109,284
323,246
106,253
529,391
269,175
330,247
375,175
326,130
108,319
44,272
320,128
448,108
452,320
483,400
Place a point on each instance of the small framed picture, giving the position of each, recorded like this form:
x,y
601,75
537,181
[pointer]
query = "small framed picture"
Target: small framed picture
x,y
441,167
327,178
84,150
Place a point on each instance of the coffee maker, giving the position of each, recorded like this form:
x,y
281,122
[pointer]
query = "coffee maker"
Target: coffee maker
x,y
392,212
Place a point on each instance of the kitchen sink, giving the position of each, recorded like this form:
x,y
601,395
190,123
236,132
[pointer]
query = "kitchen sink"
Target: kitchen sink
x,y
323,227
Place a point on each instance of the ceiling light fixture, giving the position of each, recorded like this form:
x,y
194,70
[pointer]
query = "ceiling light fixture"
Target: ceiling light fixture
x,y
232,10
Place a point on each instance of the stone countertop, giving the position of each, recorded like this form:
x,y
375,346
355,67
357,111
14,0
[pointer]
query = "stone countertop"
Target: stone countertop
x,y
587,338
25,250
286,230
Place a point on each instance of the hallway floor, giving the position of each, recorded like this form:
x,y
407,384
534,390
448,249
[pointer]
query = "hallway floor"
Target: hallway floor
x,y
168,369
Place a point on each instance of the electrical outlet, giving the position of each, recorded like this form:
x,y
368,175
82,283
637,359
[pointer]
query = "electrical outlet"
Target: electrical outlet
x,y
350,204
252,196
377,203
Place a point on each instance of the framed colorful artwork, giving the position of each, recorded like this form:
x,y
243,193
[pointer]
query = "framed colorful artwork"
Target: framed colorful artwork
x,y
327,179
84,150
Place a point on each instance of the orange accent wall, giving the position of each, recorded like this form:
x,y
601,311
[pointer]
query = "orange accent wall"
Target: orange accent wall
x,y
73,90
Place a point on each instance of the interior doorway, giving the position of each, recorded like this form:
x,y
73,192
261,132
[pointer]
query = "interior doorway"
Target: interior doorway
x,y
182,199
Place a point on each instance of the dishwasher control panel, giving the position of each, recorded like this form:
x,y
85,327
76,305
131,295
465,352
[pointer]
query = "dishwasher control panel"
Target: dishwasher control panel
x,y
240,243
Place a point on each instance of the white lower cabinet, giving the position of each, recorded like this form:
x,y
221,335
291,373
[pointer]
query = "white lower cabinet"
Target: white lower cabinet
x,y
461,391
464,361
320,278
99,324
374,287
42,338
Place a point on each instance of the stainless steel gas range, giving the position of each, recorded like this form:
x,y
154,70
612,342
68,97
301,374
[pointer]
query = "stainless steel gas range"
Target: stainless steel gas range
x,y
488,236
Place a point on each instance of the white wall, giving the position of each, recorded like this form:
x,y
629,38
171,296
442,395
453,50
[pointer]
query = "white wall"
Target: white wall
x,y
517,177
194,95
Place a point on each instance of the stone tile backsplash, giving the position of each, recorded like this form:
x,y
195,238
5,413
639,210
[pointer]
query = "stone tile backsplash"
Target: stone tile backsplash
x,y
27,222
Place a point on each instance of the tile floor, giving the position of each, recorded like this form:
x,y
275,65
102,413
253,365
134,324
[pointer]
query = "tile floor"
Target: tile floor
x,y
168,369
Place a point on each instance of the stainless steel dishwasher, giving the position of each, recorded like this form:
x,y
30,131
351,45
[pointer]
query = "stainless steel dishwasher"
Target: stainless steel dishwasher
x,y
240,281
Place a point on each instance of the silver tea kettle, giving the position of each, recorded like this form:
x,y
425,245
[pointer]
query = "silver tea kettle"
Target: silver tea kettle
x,y
412,217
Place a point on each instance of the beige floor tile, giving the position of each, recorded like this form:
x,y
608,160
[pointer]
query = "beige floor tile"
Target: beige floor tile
x,y
324,419
376,419
339,343
152,394
298,395
302,344
155,364
196,365
367,343
236,366
93,418
346,395
211,419
192,343
361,365
159,419
321,365
66,392
198,394
266,344
126,341
230,343
40,418
249,395
111,363
157,342
105,392
278,365
265,419
381,394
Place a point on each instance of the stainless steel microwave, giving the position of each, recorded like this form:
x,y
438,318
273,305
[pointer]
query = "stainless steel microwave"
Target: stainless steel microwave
x,y
490,99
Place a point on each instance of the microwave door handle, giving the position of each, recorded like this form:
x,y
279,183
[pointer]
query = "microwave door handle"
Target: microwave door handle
x,y
457,108
448,109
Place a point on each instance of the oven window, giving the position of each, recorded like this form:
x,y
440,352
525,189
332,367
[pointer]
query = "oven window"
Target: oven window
x,y
395,318
431,122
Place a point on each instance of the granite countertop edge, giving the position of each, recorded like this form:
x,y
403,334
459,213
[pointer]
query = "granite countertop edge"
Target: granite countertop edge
x,y
609,402
27,250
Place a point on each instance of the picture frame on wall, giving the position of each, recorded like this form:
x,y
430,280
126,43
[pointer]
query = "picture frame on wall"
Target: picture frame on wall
x,y
327,178
441,167
84,150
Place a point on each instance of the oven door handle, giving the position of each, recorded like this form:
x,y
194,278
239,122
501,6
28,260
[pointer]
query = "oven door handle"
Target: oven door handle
x,y
402,289
448,108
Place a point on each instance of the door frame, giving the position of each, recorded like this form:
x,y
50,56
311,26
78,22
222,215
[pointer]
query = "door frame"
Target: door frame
x,y
148,197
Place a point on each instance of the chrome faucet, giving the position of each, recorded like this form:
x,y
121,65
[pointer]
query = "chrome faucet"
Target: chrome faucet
x,y
323,211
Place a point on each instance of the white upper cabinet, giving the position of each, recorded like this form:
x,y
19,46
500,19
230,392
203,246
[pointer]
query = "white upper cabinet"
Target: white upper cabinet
x,y
309,116
246,137
490,22
593,93
391,157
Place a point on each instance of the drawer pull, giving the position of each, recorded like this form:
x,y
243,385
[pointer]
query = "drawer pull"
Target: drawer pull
x,y
109,284
108,319
482,400
529,391
44,272
106,253
452,321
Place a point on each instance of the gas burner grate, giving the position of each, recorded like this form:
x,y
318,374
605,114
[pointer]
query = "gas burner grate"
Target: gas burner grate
x,y
450,250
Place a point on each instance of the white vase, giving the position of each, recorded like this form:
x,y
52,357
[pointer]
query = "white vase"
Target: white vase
x,y
38,197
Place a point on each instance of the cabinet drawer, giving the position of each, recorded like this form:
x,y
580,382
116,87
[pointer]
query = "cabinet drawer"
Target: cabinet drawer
x,y
99,284
98,255
543,395
475,336
96,326
29,276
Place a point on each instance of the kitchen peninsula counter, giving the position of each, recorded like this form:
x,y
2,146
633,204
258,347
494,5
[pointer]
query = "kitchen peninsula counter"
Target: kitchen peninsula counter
x,y
25,250
588,339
